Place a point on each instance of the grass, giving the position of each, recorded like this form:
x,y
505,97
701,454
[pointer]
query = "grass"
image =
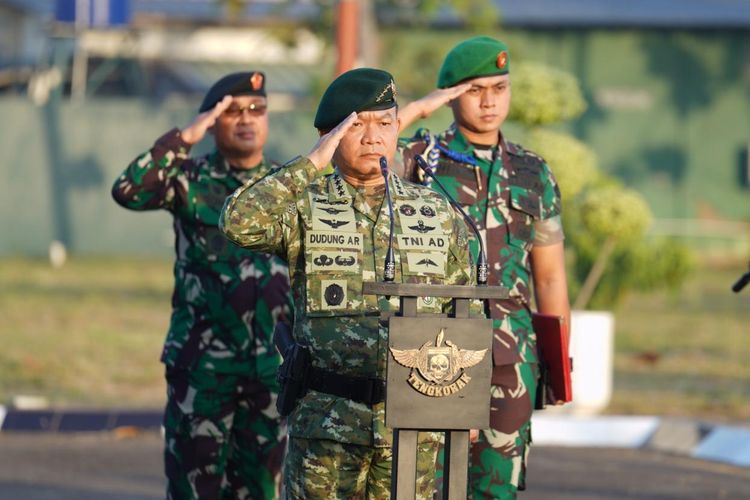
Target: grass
x,y
686,354
90,334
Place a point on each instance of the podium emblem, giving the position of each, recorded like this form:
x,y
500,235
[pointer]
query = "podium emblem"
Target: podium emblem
x,y
438,370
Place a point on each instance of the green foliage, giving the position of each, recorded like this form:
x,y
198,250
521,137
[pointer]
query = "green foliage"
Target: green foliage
x,y
574,162
613,212
415,61
599,215
544,95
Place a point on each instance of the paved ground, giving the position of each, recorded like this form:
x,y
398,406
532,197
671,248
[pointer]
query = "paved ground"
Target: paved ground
x,y
44,466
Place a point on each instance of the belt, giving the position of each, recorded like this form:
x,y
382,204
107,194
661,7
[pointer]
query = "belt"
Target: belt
x,y
360,389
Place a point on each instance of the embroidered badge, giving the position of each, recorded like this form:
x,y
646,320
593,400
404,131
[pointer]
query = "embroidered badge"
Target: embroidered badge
x,y
334,223
256,81
383,96
502,59
427,211
438,370
407,210
331,239
426,262
421,227
345,262
334,293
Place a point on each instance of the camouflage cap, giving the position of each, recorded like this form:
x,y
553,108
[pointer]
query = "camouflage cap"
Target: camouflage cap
x,y
363,89
472,58
244,83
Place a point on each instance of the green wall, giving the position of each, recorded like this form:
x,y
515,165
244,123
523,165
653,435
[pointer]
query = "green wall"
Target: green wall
x,y
58,165
669,114
669,111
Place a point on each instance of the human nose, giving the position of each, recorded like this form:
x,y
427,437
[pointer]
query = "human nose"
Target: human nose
x,y
246,115
371,135
486,99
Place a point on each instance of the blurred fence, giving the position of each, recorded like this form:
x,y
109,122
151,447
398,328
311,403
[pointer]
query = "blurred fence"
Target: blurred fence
x,y
711,237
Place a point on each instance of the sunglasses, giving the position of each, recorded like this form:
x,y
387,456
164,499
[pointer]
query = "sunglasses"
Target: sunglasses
x,y
252,110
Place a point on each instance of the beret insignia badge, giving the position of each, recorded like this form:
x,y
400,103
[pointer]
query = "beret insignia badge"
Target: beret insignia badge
x,y
256,81
502,59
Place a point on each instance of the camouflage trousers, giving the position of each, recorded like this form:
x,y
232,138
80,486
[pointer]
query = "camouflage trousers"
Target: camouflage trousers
x,y
498,457
323,469
223,436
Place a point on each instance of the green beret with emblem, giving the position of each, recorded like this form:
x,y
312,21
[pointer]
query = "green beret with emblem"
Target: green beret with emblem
x,y
362,89
473,58
244,83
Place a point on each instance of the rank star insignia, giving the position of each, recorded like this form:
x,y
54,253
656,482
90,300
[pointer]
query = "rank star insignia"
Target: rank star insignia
x,y
438,370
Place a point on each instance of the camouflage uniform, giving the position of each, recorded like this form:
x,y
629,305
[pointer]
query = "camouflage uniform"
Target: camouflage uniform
x,y
335,238
222,428
508,192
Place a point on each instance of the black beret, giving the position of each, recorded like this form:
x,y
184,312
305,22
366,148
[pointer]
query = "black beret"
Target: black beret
x,y
363,89
245,83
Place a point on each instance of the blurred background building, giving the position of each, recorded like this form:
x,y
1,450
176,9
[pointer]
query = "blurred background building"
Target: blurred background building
x,y
87,84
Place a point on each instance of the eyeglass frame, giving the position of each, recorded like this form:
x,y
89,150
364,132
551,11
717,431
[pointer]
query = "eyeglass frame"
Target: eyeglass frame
x,y
253,109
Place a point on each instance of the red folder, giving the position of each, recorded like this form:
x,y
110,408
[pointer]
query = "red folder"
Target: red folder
x,y
552,343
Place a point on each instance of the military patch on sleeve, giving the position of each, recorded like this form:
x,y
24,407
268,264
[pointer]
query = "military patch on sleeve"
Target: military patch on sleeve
x,y
426,262
333,294
422,242
332,239
326,260
331,216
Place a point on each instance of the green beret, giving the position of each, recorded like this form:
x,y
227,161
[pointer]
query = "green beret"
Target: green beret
x,y
245,83
472,58
363,89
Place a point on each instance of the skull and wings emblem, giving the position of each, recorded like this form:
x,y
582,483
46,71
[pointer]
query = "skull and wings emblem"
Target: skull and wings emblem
x,y
440,363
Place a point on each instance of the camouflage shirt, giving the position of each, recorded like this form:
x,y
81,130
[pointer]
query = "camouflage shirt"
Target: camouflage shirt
x,y
506,190
334,240
226,299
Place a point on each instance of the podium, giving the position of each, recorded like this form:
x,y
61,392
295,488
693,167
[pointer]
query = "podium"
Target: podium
x,y
438,378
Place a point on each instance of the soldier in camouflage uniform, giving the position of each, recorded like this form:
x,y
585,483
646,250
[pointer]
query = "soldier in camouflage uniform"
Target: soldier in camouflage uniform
x,y
224,437
333,230
512,196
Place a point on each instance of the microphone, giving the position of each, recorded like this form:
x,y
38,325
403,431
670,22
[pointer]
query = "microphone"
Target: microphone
x,y
740,284
482,266
389,273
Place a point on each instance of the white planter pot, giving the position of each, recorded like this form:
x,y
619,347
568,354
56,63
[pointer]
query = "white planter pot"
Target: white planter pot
x,y
592,349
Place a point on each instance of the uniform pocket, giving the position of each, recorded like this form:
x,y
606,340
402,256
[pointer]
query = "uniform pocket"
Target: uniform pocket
x,y
334,282
525,208
465,178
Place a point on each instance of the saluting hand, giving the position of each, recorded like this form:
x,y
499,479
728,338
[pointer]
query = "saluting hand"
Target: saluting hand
x,y
424,107
194,133
322,152
432,101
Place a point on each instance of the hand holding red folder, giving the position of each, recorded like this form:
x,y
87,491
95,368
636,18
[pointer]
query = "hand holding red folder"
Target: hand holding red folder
x,y
552,343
